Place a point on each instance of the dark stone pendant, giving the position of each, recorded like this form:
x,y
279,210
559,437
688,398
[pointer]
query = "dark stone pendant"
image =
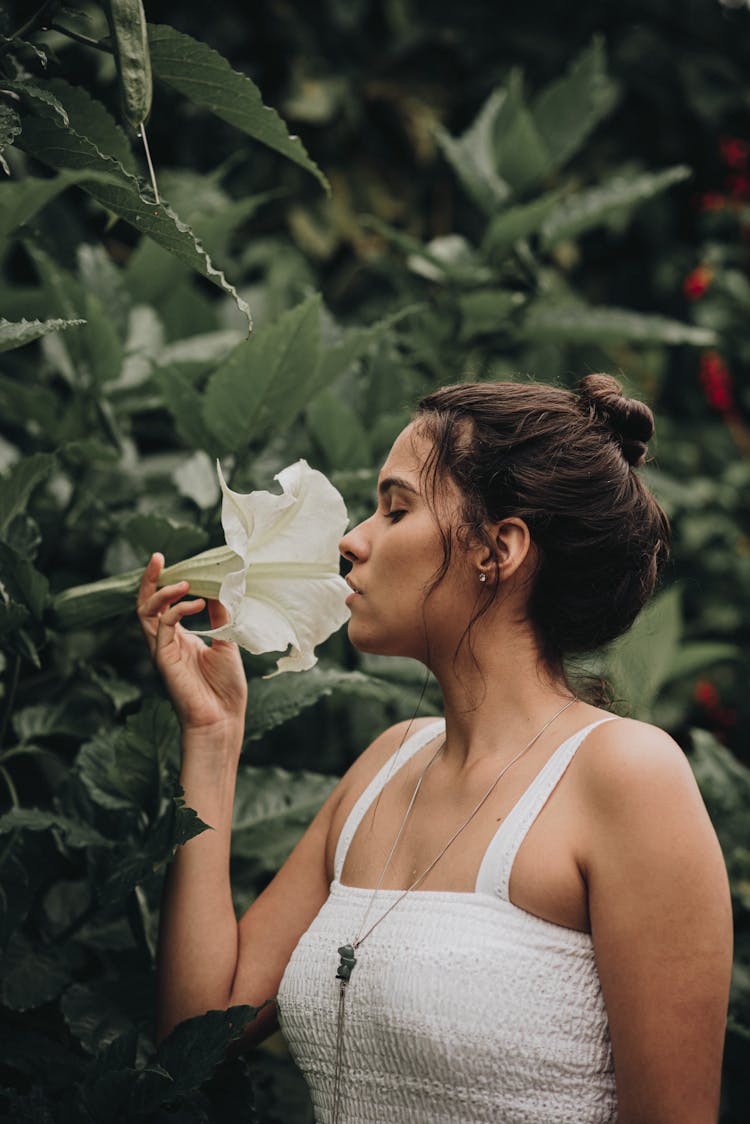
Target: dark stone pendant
x,y
346,963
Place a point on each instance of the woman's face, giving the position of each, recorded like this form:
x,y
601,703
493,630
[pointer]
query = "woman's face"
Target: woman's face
x,y
395,555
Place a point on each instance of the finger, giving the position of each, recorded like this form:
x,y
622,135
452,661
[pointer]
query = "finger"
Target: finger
x,y
162,598
150,576
170,619
218,614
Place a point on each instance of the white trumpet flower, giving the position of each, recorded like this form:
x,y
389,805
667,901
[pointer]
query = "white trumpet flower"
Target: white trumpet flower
x,y
278,576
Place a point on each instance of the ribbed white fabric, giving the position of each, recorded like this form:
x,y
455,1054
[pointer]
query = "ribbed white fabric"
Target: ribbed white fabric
x,y
463,1008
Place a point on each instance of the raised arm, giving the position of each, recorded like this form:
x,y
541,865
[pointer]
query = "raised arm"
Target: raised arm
x,y
200,952
661,924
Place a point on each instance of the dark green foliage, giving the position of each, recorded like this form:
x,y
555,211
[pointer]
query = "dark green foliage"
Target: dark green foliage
x,y
519,192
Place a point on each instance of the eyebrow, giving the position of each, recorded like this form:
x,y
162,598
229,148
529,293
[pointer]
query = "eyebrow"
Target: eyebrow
x,y
389,482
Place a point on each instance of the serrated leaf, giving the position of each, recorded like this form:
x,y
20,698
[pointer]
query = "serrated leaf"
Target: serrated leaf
x,y
74,832
615,197
41,98
472,156
521,154
194,1049
567,110
639,662
71,148
272,808
19,333
273,370
17,484
201,74
89,116
579,323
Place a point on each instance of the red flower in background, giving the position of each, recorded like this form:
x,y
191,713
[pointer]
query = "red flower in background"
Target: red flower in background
x,y
706,694
712,201
696,283
734,151
716,382
739,186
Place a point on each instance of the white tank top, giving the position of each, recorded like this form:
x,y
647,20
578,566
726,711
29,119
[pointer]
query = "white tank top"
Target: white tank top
x,y
462,1007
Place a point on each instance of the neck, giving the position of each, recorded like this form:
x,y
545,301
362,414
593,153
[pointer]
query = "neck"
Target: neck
x,y
497,704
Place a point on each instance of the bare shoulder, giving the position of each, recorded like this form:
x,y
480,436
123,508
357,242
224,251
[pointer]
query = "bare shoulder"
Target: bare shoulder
x,y
625,761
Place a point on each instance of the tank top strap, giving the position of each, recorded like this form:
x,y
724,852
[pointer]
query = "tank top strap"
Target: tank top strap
x,y
395,762
494,873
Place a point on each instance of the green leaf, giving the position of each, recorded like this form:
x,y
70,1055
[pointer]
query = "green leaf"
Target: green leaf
x,y
579,323
521,154
273,701
337,428
176,541
272,808
21,332
616,197
21,199
194,1049
472,156
71,148
640,662
273,371
185,404
127,769
725,786
201,74
700,655
355,343
567,110
17,484
41,98
74,832
487,311
90,117
517,223
22,582
31,976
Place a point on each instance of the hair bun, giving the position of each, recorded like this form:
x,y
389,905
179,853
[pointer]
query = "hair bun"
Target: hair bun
x,y
630,421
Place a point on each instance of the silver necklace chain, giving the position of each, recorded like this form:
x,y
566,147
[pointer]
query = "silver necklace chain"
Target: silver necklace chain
x,y
346,952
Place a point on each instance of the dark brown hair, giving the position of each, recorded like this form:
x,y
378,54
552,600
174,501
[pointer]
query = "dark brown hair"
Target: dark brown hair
x,y
563,462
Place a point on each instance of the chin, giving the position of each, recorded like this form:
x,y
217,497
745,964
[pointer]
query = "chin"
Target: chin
x,y
372,644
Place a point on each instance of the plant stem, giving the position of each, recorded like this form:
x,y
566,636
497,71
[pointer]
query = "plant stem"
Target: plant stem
x,y
11,787
79,38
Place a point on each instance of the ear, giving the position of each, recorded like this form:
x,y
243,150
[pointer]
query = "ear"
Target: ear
x,y
513,545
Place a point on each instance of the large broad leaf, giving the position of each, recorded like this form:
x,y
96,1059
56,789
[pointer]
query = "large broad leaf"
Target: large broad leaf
x,y
579,323
339,431
274,701
566,111
19,333
640,662
206,78
31,976
521,154
472,156
17,484
272,808
71,148
194,1049
613,199
272,371
185,404
127,769
725,786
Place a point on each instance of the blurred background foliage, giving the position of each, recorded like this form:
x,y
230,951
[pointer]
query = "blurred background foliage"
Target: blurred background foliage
x,y
481,191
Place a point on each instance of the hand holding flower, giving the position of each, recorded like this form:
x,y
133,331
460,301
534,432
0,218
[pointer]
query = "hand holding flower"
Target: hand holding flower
x,y
207,684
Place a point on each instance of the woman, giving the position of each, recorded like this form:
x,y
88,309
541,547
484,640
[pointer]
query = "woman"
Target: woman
x,y
569,965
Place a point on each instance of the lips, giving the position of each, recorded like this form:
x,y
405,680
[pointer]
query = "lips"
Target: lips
x,y
354,588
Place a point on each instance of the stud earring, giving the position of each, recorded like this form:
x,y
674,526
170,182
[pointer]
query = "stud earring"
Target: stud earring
x,y
482,576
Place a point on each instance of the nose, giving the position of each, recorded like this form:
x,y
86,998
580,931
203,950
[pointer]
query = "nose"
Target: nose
x,y
353,546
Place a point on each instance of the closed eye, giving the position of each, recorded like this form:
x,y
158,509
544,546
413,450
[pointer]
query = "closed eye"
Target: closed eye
x,y
394,516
